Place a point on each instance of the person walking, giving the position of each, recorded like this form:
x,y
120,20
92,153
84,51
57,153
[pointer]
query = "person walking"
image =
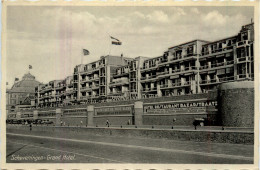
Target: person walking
x,y
107,123
81,123
30,126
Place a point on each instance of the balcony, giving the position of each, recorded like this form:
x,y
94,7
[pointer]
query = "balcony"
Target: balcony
x,y
116,93
210,81
146,89
69,91
179,59
90,70
84,80
242,43
132,79
164,86
102,94
243,59
124,73
217,51
217,65
60,87
133,90
84,97
95,86
102,75
163,60
163,73
245,76
148,78
95,96
95,79
145,68
120,82
85,88
225,79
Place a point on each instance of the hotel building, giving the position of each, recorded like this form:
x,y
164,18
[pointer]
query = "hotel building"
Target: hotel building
x,y
189,68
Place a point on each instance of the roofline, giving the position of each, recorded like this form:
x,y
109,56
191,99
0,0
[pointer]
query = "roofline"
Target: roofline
x,y
221,40
188,43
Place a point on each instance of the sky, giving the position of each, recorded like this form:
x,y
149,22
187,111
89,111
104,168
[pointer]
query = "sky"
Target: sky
x,y
51,38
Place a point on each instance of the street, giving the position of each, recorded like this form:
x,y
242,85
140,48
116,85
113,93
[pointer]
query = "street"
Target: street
x,y
53,147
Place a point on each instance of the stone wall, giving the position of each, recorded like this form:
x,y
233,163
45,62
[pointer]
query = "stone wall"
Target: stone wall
x,y
237,104
216,136
74,121
180,119
115,120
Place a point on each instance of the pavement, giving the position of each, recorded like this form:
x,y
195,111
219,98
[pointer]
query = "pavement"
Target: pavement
x,y
52,147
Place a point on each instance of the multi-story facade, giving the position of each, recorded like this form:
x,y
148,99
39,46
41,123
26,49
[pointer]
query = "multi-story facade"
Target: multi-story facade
x,y
229,59
189,68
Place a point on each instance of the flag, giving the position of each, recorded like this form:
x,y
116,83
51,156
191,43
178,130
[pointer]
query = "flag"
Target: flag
x,y
116,43
30,66
16,79
85,52
114,38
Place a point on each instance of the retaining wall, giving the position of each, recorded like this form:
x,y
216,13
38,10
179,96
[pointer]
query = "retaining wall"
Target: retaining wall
x,y
216,136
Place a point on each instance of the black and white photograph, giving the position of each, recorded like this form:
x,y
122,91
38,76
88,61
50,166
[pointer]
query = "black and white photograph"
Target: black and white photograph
x,y
130,85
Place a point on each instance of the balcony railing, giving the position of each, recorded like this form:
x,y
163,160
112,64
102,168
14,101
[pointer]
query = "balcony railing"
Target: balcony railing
x,y
242,59
163,60
189,68
223,79
217,50
133,79
209,81
149,77
242,43
242,76
119,82
216,65
162,73
149,66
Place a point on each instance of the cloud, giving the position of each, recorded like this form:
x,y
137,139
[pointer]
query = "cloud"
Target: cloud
x,y
214,18
158,17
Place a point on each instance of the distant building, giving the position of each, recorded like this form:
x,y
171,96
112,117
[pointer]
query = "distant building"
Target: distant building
x,y
22,94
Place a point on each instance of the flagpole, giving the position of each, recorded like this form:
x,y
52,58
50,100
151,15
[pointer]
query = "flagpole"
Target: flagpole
x,y
82,56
